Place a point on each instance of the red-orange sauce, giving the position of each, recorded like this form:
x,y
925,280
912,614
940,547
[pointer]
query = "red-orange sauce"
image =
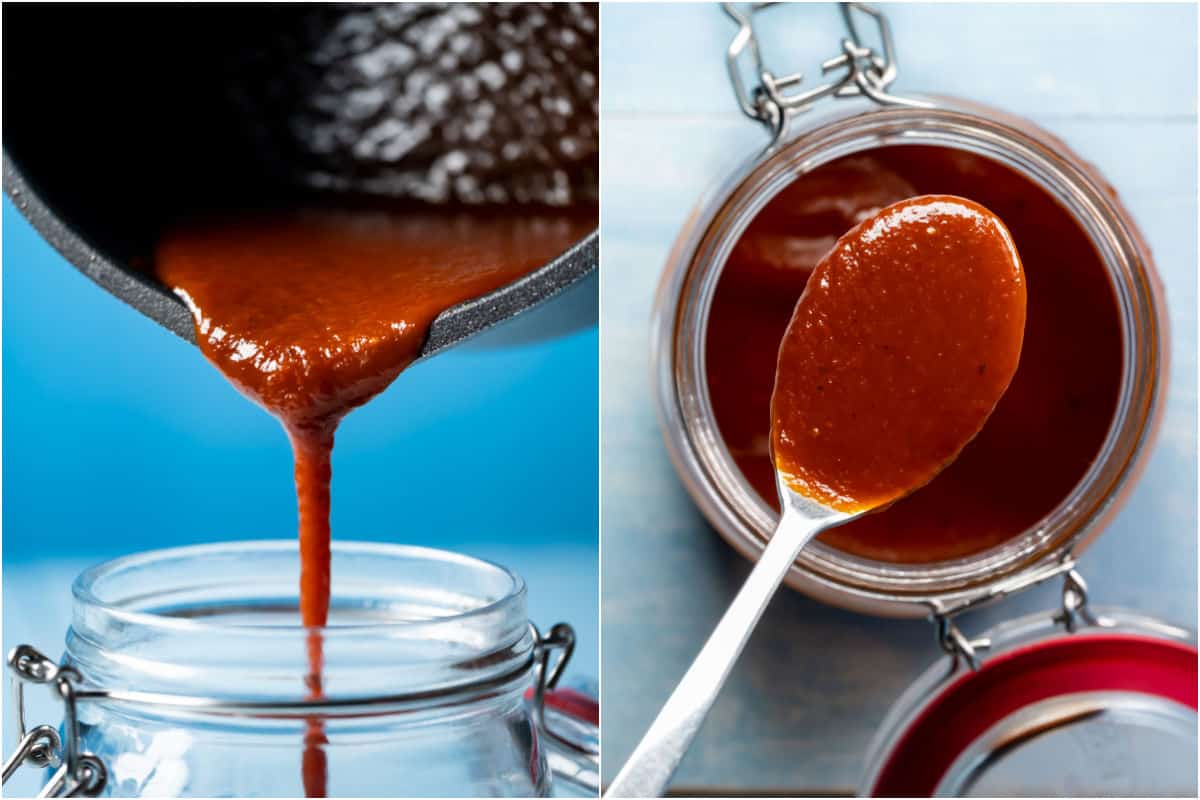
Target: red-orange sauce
x,y
906,336
311,313
314,766
1045,431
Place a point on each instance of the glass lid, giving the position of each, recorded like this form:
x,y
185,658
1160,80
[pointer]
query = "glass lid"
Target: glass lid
x,y
1104,704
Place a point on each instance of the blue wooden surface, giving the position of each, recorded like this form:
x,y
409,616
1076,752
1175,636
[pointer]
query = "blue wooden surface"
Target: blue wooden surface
x,y
1118,84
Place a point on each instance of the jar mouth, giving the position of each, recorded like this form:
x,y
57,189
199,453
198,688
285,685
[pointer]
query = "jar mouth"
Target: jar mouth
x,y
118,588
685,408
223,620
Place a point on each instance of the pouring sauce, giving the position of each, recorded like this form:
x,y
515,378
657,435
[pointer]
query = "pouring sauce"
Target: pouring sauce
x,y
311,313
907,334
1047,428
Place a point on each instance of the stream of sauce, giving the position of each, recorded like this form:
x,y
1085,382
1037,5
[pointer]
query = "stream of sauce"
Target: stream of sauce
x,y
906,336
1045,431
311,313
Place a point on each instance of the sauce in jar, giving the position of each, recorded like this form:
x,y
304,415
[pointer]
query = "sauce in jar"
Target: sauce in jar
x,y
311,313
1046,430
906,336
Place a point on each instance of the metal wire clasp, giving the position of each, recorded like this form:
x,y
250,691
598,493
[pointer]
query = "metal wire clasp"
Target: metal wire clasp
x,y
1074,607
78,773
1071,614
865,71
954,642
546,674
545,678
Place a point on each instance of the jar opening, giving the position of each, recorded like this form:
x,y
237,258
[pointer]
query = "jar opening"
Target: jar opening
x,y
223,619
1047,428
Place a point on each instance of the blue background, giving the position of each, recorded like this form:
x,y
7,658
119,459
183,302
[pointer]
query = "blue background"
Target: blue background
x,y
120,437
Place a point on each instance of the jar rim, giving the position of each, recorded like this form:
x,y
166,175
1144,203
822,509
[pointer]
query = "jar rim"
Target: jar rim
x,y
222,620
86,592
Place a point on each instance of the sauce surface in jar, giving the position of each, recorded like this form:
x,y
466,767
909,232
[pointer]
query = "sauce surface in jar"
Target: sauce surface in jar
x,y
906,336
1051,422
311,313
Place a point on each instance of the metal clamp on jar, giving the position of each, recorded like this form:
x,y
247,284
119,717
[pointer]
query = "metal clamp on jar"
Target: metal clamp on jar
x,y
856,128
184,676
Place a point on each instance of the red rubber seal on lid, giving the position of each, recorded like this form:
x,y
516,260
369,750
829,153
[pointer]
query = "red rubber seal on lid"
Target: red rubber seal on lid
x,y
975,701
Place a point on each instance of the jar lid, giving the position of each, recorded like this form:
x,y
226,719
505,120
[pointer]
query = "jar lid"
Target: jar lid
x,y
1107,709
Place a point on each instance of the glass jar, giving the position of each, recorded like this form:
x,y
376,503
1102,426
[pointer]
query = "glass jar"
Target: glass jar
x,y
186,670
681,312
989,709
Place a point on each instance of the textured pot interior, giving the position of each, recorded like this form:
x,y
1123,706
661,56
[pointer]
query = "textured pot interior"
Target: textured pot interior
x,y
122,118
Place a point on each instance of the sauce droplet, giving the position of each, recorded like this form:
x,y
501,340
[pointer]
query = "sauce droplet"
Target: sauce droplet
x,y
904,340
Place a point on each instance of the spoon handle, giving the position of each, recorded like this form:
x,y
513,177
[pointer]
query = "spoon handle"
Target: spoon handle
x,y
649,769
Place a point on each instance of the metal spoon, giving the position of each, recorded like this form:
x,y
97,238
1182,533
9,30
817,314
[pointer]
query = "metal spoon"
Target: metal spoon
x,y
979,306
652,764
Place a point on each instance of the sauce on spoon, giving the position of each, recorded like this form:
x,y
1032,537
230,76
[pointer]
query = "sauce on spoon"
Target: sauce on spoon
x,y
1053,420
906,336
